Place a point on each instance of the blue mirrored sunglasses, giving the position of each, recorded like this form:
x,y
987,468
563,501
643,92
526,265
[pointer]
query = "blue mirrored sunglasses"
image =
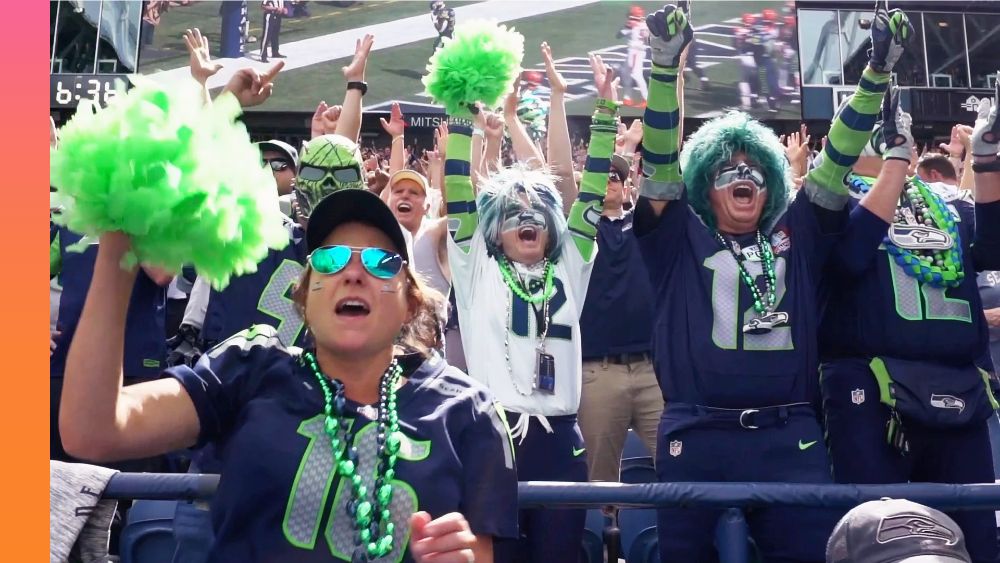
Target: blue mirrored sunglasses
x,y
379,262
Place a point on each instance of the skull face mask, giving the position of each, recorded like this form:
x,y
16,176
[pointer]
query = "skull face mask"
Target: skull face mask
x,y
328,164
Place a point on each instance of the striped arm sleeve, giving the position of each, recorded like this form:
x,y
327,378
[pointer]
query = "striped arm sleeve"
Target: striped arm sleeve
x,y
589,204
462,216
851,128
659,137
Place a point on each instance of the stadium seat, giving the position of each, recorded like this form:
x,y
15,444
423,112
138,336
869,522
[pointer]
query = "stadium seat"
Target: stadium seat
x,y
148,536
592,549
638,529
638,470
634,447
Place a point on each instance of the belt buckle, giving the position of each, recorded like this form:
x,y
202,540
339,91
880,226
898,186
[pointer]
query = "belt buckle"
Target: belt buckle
x,y
748,413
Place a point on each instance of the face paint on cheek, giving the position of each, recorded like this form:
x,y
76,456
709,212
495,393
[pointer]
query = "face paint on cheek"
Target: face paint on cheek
x,y
316,285
526,218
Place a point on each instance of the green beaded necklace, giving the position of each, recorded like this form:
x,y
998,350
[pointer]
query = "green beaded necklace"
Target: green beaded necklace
x,y
763,304
372,521
518,288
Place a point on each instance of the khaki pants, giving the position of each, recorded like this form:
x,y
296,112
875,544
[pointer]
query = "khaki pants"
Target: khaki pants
x,y
614,398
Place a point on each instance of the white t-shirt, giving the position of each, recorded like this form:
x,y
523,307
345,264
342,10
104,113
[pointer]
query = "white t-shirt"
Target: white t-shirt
x,y
483,298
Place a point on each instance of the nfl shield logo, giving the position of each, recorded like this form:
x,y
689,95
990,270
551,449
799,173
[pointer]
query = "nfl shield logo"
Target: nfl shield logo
x,y
858,396
675,448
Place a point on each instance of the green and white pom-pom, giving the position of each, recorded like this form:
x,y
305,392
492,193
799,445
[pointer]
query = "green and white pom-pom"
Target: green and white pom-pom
x,y
181,179
478,64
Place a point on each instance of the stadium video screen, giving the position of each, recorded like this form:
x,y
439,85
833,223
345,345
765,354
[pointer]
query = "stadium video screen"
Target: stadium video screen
x,y
745,53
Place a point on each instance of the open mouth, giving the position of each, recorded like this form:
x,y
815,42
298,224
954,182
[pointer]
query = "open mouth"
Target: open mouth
x,y
743,194
352,307
527,234
404,207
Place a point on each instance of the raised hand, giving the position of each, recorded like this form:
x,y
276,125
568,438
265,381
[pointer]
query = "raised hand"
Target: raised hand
x,y
986,134
954,145
252,88
629,138
446,539
669,34
797,150
441,138
891,31
355,71
556,81
199,59
316,125
512,99
604,78
395,126
494,125
894,137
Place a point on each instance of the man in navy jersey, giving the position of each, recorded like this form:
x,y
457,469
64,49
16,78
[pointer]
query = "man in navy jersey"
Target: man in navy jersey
x,y
735,268
145,333
904,327
619,386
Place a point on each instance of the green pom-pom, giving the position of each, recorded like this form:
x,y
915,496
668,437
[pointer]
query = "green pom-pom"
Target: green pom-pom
x,y
181,179
478,64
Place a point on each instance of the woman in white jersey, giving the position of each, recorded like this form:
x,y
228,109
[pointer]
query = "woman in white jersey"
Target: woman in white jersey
x,y
520,272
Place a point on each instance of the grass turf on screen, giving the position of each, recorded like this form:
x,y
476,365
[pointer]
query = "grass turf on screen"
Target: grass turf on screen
x,y
394,73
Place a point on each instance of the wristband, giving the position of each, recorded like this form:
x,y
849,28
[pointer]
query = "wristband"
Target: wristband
x,y
980,167
607,106
478,131
358,85
397,138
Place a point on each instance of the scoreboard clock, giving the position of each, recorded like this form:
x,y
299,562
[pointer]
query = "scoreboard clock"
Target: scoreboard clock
x,y
67,90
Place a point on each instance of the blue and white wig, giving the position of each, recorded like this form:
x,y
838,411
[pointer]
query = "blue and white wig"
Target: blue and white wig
x,y
500,196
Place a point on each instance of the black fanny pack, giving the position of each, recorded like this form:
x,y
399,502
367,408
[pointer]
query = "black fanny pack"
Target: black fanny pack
x,y
931,395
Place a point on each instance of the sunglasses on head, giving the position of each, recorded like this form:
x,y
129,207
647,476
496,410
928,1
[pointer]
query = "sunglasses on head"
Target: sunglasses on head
x,y
737,172
277,164
379,262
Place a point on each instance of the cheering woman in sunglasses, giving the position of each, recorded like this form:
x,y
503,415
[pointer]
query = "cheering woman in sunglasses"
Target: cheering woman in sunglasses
x,y
362,447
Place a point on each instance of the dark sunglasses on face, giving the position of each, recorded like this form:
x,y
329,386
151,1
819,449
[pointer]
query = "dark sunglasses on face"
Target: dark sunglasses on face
x,y
379,262
277,164
316,173
615,176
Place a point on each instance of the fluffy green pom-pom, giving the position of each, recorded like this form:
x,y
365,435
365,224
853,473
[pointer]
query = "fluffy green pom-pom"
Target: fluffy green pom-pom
x,y
478,64
182,180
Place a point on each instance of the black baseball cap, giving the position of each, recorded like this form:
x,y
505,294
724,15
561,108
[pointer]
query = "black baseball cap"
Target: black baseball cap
x,y
896,531
350,206
282,147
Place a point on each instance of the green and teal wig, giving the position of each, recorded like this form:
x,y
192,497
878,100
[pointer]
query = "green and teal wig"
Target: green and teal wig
x,y
714,143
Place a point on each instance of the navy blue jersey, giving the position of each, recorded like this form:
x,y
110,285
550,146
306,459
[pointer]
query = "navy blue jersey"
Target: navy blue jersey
x,y
989,292
874,308
618,312
701,354
279,498
145,332
263,297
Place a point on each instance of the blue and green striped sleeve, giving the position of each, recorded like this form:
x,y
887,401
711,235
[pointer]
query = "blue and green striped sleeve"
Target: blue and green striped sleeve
x,y
589,204
462,216
660,146
851,128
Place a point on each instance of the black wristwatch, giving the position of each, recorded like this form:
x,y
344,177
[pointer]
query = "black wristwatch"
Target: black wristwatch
x,y
358,85
993,166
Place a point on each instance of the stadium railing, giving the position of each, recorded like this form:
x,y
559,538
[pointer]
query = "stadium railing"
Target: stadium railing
x,y
733,498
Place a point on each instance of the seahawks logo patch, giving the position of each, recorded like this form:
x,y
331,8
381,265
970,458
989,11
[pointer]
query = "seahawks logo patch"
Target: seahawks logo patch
x,y
920,237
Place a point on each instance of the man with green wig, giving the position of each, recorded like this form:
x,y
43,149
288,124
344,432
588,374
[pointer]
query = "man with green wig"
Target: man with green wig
x,y
735,265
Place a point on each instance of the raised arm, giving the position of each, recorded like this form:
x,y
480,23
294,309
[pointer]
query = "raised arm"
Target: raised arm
x,y
99,419
462,215
883,198
669,34
199,60
852,125
494,142
524,149
349,124
395,127
589,204
560,146
985,144
986,165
